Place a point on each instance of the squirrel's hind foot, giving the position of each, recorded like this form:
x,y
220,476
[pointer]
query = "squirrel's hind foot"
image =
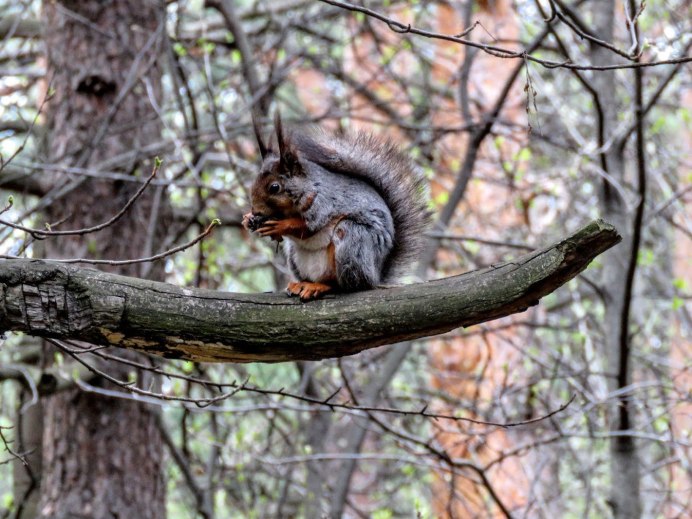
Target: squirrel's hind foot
x,y
307,290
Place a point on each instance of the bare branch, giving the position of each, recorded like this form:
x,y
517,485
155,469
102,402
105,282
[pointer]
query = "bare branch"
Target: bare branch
x,y
53,300
40,233
500,52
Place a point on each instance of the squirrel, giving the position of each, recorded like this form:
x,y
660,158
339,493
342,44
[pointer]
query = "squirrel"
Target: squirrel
x,y
351,208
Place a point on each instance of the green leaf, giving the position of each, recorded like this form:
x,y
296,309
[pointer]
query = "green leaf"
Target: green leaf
x,y
442,198
388,54
408,470
472,246
680,283
208,47
524,155
179,49
646,257
383,513
658,125
8,501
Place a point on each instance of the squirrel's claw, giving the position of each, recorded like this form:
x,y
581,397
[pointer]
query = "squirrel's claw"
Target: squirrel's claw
x,y
247,218
293,289
306,290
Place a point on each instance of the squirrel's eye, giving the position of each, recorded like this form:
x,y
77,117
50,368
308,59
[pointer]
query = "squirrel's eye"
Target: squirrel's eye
x,y
274,188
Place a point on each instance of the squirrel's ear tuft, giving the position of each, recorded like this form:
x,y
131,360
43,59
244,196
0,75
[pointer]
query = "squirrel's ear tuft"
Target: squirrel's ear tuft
x,y
258,134
289,159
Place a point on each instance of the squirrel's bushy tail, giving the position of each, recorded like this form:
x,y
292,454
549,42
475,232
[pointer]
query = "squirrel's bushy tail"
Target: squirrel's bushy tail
x,y
379,163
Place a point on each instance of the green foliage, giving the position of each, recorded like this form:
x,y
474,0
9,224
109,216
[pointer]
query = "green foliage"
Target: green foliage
x,y
180,49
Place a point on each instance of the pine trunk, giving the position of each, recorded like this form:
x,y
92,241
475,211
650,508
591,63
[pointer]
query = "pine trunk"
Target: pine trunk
x,y
102,456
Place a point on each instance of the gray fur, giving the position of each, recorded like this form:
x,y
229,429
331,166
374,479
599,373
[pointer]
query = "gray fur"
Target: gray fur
x,y
364,236
355,192
361,253
378,163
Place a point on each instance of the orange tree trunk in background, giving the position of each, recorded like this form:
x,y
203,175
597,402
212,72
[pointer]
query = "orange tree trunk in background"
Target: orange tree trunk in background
x,y
455,364
102,456
681,352
468,369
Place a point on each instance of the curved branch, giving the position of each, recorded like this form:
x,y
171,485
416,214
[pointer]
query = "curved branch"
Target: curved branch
x,y
66,302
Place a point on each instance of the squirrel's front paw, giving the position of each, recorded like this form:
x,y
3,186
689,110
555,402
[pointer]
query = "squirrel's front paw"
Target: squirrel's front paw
x,y
306,290
275,229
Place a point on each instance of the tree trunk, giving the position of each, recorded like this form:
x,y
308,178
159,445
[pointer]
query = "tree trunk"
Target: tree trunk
x,y
102,457
625,498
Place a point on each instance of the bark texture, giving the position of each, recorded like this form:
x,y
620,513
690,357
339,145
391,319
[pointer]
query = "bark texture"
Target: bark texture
x,y
101,469
67,302
102,457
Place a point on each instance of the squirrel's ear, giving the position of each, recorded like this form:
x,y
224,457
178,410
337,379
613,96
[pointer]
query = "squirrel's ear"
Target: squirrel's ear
x,y
258,134
288,154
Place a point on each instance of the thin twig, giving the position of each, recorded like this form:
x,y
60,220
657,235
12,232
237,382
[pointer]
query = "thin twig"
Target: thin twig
x,y
156,257
41,234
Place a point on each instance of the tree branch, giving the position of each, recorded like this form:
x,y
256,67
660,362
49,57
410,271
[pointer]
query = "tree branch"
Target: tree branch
x,y
14,26
66,302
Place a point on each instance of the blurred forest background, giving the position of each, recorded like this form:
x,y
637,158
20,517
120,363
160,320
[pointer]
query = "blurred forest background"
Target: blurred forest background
x,y
528,118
